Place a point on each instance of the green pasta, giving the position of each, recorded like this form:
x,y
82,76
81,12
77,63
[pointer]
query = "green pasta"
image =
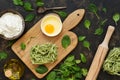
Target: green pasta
x,y
112,62
44,53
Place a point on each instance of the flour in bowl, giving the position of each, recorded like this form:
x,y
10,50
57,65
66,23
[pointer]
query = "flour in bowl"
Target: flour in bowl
x,y
10,24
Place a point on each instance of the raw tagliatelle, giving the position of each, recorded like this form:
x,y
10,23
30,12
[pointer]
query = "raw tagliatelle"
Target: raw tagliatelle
x,y
44,53
112,62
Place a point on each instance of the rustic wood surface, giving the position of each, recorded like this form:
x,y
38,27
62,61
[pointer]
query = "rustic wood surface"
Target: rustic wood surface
x,y
112,7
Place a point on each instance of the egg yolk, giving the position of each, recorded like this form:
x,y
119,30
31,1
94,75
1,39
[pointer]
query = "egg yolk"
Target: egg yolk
x,y
49,28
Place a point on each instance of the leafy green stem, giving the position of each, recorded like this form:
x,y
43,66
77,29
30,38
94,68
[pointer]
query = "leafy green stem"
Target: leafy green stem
x,y
97,15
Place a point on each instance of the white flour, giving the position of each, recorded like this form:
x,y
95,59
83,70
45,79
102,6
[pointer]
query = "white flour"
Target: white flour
x,y
10,25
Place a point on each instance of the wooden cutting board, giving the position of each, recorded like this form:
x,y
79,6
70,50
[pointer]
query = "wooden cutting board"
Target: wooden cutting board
x,y
34,36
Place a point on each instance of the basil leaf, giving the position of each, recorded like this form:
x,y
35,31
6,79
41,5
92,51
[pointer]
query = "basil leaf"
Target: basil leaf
x,y
98,31
18,2
39,3
86,44
87,24
77,61
23,46
66,41
78,75
104,10
51,76
81,38
29,17
61,13
83,58
84,71
27,6
33,79
70,58
41,69
3,55
93,8
116,18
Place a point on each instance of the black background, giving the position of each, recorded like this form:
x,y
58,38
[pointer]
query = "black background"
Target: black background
x,y
112,6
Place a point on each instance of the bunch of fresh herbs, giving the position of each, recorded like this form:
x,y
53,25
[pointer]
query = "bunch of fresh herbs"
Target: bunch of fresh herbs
x,y
69,69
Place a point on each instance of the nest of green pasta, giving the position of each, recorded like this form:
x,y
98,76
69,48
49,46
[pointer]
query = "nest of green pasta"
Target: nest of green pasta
x,y
44,53
112,62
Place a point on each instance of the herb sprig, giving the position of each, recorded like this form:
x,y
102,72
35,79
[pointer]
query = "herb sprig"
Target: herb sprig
x,y
93,8
87,23
67,68
116,18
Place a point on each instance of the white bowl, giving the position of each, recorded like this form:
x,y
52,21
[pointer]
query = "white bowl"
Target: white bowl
x,y
51,25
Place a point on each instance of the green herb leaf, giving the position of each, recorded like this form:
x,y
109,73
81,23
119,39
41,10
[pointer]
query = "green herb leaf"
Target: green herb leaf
x,y
81,38
18,2
102,23
70,58
33,79
61,13
77,61
67,68
27,6
83,58
39,3
93,8
98,31
51,76
84,71
87,23
23,46
29,17
116,18
3,55
86,44
41,69
78,75
104,10
66,41
10,43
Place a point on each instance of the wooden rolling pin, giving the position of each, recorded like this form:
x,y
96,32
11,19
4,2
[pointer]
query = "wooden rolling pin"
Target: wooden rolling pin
x,y
99,56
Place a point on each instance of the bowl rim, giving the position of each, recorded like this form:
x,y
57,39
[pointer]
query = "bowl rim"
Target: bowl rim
x,y
58,17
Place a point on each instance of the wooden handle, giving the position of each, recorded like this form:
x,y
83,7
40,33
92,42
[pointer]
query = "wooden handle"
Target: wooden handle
x,y
73,19
108,35
99,56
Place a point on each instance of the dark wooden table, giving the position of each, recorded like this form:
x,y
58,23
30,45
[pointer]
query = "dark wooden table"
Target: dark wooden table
x,y
112,7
